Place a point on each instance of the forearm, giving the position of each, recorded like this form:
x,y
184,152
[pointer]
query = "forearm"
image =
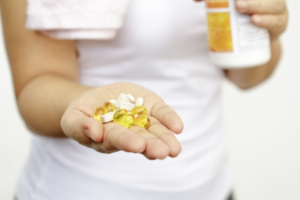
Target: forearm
x,y
43,101
249,77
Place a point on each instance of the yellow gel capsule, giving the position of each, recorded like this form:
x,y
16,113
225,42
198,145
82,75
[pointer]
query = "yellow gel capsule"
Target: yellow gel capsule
x,y
119,115
99,112
127,120
108,107
142,121
139,110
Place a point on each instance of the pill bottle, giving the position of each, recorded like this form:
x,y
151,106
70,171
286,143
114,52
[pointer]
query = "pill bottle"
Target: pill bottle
x,y
234,42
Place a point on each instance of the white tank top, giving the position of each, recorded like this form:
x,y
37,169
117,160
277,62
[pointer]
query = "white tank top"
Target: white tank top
x,y
163,47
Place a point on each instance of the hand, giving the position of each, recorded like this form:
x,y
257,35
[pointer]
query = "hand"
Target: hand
x,y
269,14
156,142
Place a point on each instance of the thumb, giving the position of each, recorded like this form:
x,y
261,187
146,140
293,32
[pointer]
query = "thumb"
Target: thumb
x,y
82,128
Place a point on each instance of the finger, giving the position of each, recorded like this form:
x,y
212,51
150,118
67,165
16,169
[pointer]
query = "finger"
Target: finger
x,y
155,148
276,24
119,137
81,128
167,116
261,6
166,136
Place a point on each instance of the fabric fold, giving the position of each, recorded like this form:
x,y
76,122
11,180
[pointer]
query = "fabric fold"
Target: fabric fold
x,y
76,19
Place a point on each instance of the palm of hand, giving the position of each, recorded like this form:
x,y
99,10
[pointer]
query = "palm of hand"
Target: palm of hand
x,y
156,142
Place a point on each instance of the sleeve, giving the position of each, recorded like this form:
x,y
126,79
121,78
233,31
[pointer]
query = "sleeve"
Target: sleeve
x,y
76,19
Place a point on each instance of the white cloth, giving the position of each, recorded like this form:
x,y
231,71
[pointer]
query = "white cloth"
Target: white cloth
x,y
162,46
76,19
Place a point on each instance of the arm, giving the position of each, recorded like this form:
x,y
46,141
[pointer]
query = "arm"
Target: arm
x,y
44,71
249,77
269,14
53,103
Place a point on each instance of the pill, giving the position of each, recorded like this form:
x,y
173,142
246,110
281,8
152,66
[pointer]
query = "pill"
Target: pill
x,y
127,121
123,118
142,121
123,97
126,105
139,110
108,117
119,115
113,102
132,99
117,106
98,113
139,101
108,107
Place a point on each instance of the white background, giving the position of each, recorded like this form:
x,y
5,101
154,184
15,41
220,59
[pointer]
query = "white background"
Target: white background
x,y
262,125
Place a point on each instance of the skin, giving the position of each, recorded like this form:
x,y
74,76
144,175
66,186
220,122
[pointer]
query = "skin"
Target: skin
x,y
269,14
54,104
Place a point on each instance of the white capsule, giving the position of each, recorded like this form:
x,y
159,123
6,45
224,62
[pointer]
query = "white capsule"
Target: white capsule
x,y
108,117
123,97
139,101
117,106
132,99
113,102
126,105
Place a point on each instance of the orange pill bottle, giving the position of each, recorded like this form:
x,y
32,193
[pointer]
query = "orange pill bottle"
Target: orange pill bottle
x,y
234,41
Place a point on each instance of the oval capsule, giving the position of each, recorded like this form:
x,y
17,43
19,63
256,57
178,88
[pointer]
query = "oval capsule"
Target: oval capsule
x,y
108,107
119,115
142,121
139,110
127,121
98,113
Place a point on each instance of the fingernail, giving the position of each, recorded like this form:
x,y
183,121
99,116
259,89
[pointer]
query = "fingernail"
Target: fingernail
x,y
242,4
87,132
257,19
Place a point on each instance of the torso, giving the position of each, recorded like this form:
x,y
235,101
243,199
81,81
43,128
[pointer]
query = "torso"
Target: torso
x,y
162,46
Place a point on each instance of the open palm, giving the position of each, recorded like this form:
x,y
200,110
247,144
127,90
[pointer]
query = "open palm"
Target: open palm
x,y
156,142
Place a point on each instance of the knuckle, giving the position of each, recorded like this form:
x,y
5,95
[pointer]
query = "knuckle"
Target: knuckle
x,y
286,20
164,135
107,148
149,157
84,143
255,5
64,121
99,148
278,23
78,137
278,6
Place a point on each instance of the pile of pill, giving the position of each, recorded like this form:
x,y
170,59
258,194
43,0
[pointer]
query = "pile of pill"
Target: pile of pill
x,y
126,111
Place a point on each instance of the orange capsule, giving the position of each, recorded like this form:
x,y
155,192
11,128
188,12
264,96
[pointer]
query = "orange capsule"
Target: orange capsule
x,y
123,118
139,110
108,107
127,121
119,115
142,121
98,113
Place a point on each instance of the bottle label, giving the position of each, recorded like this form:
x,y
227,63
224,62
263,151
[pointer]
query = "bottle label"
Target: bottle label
x,y
229,31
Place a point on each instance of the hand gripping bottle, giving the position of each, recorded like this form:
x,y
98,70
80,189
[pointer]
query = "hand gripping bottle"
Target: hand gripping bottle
x,y
234,41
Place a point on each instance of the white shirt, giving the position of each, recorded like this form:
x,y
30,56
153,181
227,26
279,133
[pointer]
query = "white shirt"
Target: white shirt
x,y
163,47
